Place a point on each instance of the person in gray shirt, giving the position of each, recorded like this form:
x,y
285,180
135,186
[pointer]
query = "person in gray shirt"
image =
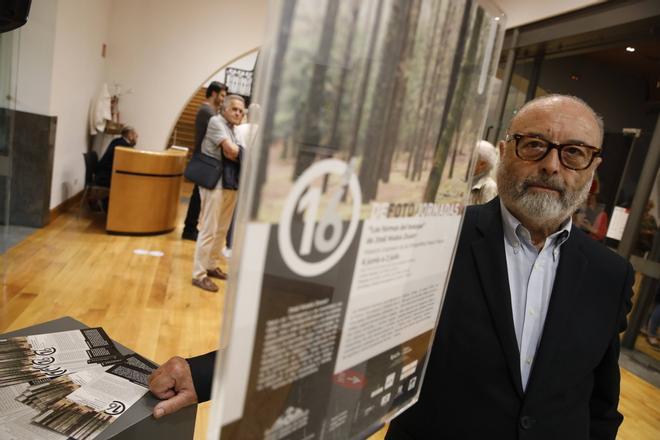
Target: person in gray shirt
x,y
217,204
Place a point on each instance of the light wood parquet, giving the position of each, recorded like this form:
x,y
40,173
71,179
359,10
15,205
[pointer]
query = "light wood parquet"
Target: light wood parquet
x,y
72,268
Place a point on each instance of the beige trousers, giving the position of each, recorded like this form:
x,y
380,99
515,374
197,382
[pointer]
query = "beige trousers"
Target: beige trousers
x,y
217,208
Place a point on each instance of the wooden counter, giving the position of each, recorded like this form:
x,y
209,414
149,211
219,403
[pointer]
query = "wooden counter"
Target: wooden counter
x,y
144,194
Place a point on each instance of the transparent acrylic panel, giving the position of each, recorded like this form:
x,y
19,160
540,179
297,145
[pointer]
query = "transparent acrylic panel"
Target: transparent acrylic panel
x,y
350,207
647,247
9,43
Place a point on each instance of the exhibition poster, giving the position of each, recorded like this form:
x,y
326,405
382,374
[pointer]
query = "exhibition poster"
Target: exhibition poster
x,y
350,208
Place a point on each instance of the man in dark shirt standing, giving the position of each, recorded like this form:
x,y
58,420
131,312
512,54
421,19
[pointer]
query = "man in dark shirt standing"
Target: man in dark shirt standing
x,y
215,95
103,170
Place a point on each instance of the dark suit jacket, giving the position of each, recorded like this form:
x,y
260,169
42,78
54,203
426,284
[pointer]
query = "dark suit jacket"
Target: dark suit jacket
x,y
472,387
104,168
201,368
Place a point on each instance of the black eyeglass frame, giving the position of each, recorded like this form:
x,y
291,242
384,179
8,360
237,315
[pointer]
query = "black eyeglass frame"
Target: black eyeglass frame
x,y
552,145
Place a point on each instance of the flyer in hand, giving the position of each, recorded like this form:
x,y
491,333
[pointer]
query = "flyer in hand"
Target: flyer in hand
x,y
350,208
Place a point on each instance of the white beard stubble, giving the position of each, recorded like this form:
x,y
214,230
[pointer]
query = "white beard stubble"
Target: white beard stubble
x,y
539,208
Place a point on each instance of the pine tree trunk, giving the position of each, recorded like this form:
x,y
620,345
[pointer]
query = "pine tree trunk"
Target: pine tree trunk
x,y
460,81
310,131
372,159
286,19
392,134
415,140
362,90
335,136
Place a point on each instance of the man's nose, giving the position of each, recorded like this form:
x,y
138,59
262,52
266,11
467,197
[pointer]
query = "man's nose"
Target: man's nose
x,y
551,163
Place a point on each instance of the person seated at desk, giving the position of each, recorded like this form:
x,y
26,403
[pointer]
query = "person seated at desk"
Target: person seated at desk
x,y
128,138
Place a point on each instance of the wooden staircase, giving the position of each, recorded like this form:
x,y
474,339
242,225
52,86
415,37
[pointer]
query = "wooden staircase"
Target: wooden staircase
x,y
184,131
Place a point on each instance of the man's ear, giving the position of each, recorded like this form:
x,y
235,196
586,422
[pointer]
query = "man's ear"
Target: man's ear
x,y
501,145
597,162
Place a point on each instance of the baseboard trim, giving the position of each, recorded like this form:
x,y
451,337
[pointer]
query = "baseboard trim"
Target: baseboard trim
x,y
65,206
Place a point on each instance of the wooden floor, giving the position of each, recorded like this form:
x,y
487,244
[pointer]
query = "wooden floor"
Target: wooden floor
x,y
642,344
72,268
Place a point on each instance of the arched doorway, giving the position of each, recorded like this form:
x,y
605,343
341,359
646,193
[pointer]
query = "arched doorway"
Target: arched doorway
x,y
238,75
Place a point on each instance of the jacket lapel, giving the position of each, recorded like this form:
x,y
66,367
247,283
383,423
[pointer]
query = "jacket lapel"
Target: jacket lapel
x,y
563,302
490,260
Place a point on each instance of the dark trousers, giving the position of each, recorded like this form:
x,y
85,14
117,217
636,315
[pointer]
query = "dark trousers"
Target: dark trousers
x,y
230,231
192,216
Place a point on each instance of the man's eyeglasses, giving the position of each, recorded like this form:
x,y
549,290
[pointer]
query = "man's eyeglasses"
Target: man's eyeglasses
x,y
534,148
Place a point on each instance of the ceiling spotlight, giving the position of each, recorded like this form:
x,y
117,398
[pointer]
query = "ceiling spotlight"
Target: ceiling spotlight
x,y
630,49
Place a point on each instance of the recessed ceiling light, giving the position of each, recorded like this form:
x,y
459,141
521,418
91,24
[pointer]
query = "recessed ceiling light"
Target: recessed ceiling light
x,y
630,49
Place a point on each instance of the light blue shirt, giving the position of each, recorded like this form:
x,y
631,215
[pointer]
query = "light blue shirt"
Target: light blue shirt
x,y
531,277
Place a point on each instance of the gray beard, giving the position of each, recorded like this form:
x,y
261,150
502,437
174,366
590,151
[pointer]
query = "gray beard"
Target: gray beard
x,y
541,209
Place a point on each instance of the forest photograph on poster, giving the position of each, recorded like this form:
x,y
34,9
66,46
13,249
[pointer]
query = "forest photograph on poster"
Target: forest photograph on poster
x,y
397,88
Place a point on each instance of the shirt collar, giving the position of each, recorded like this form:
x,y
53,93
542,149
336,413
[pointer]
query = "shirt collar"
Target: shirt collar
x,y
514,231
222,118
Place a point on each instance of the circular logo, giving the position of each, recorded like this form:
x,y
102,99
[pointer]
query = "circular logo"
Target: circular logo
x,y
325,234
46,360
115,408
45,351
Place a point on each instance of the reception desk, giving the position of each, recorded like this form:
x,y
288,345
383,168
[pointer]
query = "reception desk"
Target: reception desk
x,y
144,194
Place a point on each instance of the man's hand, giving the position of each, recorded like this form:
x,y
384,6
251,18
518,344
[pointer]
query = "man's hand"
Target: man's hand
x,y
229,149
173,383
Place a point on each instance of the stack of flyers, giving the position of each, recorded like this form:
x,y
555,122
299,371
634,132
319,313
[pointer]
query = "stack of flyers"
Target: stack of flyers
x,y
66,385
89,409
43,394
45,356
16,418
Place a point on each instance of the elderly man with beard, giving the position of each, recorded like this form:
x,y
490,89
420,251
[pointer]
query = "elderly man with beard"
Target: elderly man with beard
x,y
527,345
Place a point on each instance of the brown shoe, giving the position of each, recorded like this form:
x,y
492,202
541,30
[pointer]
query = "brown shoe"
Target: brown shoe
x,y
217,273
206,284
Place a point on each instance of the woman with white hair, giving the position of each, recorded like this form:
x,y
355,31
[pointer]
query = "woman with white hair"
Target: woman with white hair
x,y
484,188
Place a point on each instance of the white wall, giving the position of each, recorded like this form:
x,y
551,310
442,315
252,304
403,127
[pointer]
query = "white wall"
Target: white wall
x,y
77,74
35,58
161,50
165,50
8,55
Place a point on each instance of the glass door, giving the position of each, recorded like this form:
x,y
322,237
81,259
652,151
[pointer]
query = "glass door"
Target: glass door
x,y
641,242
9,44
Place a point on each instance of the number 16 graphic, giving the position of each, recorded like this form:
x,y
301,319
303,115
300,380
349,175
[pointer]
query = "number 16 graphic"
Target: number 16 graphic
x,y
326,236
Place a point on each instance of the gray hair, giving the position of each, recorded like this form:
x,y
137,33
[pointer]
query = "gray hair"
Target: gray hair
x,y
598,118
488,153
126,129
230,98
